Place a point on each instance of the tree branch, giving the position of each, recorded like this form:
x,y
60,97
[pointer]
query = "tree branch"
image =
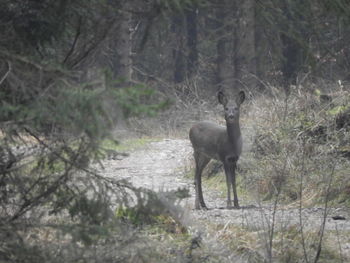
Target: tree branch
x,y
7,73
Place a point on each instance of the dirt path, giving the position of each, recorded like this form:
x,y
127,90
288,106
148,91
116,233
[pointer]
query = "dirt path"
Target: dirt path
x,y
161,165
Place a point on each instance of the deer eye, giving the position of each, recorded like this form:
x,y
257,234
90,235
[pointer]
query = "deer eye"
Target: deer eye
x,y
226,108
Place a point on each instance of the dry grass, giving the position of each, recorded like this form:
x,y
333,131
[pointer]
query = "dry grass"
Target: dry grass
x,y
294,139
295,156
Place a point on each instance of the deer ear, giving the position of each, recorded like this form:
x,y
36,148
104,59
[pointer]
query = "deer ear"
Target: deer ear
x,y
241,97
222,98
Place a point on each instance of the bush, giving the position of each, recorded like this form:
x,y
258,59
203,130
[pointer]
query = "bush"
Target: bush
x,y
301,139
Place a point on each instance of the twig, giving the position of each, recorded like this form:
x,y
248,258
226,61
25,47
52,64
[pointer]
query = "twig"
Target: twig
x,y
7,73
93,46
25,60
319,247
152,77
303,79
339,244
302,172
272,227
77,35
72,163
28,204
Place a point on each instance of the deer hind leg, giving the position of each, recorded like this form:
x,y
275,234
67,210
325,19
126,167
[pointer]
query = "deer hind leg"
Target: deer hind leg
x,y
201,161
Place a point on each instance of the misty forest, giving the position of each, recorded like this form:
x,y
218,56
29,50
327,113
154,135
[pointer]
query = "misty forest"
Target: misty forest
x,y
148,131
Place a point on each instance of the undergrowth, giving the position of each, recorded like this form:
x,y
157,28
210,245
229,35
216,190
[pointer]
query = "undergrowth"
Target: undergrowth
x,y
296,156
297,143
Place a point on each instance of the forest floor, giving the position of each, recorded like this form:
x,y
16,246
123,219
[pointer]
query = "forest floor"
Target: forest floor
x,y
165,165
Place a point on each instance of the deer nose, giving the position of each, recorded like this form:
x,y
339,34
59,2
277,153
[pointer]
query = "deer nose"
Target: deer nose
x,y
231,114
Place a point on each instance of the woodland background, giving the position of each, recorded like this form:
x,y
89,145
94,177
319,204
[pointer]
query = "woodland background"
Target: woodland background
x,y
73,72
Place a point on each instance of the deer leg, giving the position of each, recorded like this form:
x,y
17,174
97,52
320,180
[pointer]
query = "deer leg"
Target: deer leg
x,y
235,197
228,184
201,162
198,186
200,200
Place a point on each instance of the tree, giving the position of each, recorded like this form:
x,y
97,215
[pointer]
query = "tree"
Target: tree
x,y
53,118
123,43
192,35
224,44
179,54
245,55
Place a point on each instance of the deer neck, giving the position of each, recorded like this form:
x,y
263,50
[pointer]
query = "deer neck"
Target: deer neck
x,y
233,132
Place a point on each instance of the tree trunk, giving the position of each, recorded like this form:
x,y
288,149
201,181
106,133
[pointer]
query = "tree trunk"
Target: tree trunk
x,y
123,61
245,57
291,61
224,67
178,48
293,52
192,55
121,47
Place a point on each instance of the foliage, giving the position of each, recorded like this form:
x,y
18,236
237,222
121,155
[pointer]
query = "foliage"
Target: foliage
x,y
130,97
302,143
151,210
58,103
53,118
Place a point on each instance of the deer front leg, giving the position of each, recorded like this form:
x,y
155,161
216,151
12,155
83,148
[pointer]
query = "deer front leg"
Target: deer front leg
x,y
233,180
228,184
196,202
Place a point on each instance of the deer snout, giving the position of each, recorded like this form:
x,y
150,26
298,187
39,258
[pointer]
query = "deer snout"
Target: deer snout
x,y
231,118
232,115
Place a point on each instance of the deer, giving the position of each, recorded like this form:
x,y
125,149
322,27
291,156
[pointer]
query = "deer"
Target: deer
x,y
212,141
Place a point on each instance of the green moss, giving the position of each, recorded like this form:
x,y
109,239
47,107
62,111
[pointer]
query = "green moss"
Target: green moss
x,y
338,109
127,145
